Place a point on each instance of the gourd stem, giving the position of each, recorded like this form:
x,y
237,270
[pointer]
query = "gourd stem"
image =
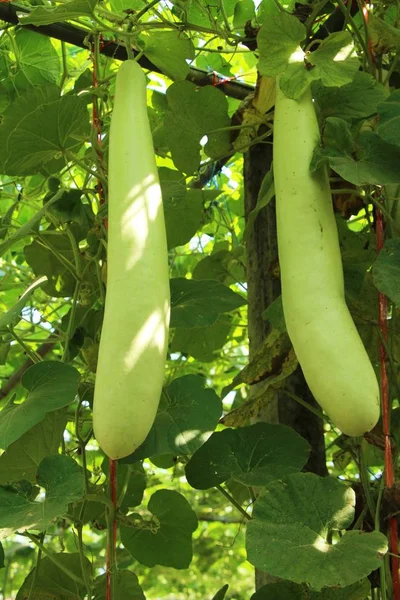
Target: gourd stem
x,y
386,407
233,501
111,567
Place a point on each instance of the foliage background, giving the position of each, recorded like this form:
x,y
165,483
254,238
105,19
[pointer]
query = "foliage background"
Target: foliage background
x,y
49,144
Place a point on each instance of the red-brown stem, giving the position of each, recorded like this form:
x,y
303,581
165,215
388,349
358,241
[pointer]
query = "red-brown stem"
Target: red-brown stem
x,y
112,529
389,472
97,128
112,536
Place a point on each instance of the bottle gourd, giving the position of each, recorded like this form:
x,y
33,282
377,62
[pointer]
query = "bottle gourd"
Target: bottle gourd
x,y
327,344
134,336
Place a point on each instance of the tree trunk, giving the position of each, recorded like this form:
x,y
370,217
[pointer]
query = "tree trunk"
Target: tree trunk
x,y
263,288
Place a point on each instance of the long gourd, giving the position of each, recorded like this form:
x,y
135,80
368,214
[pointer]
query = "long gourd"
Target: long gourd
x,y
134,336
329,349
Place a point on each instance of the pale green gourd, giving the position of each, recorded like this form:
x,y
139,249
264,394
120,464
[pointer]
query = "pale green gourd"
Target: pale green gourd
x,y
134,336
327,344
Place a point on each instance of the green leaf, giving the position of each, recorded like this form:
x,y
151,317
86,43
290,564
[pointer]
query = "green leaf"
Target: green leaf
x,y
4,350
168,539
164,461
266,9
198,303
355,100
53,257
39,126
274,314
338,136
335,60
193,113
187,414
65,11
12,316
376,162
126,5
64,482
202,13
51,582
126,584
383,37
294,517
169,50
22,458
244,11
334,63
386,270
38,60
389,119
265,195
220,595
51,385
358,253
70,208
286,590
183,216
253,455
203,343
278,41
6,219
223,265
295,80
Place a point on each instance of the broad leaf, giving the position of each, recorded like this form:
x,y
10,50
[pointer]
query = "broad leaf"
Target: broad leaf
x,y
220,595
355,100
386,270
51,385
53,257
253,455
63,480
389,119
38,60
22,458
167,539
123,5
198,303
335,60
223,265
375,162
292,591
169,50
278,42
193,113
38,126
203,343
183,211
126,587
52,582
187,414
294,517
274,315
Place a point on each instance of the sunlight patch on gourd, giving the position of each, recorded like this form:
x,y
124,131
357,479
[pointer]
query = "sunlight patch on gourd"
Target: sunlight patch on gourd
x,y
151,334
144,202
